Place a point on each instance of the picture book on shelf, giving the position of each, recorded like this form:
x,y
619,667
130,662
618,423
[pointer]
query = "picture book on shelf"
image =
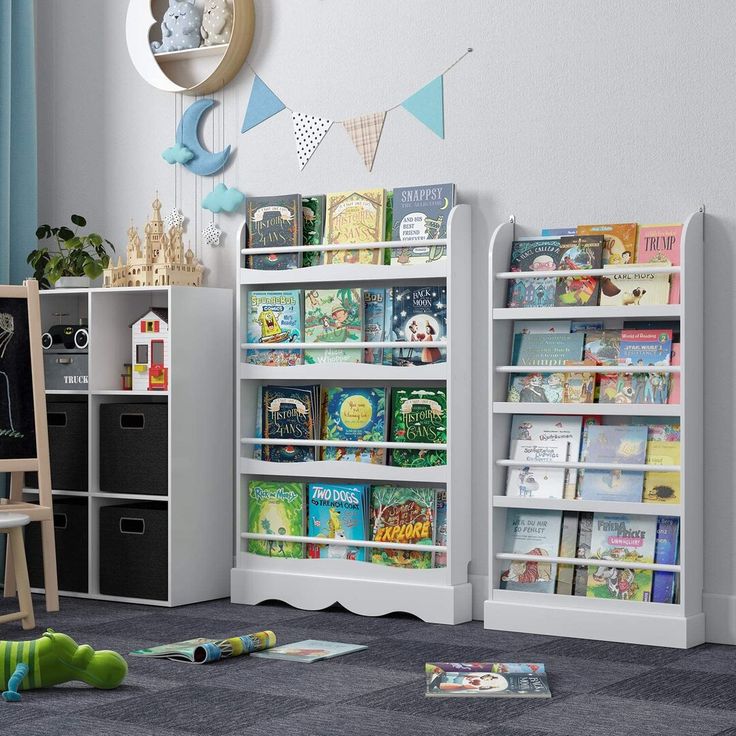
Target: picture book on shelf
x,y
619,241
673,395
374,323
418,415
531,326
204,651
588,422
620,445
275,508
333,316
585,531
440,558
624,538
558,232
288,413
486,680
663,432
603,347
419,318
273,222
537,533
548,348
354,414
665,552
355,217
587,325
337,512
568,547
531,481
635,288
309,650
421,213
552,388
578,253
539,255
274,318
662,487
313,227
406,516
659,245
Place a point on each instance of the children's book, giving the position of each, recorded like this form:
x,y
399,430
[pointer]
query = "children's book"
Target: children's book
x,y
355,217
418,415
421,213
638,287
333,316
404,515
337,512
204,651
659,245
547,428
274,222
532,326
440,558
578,253
568,547
620,445
625,538
548,388
540,255
663,433
558,232
313,227
585,531
388,225
309,650
662,487
419,318
619,241
486,680
603,347
354,414
548,348
579,387
673,396
276,509
533,532
374,323
531,481
588,422
388,325
665,552
587,325
274,318
288,413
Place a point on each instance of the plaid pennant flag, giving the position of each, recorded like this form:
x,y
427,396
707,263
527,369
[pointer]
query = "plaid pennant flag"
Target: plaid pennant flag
x,y
365,132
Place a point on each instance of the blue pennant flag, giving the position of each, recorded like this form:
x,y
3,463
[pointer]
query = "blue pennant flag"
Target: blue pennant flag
x,y
427,106
262,105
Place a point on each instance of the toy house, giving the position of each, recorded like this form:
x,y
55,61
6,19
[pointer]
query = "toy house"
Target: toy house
x,y
151,351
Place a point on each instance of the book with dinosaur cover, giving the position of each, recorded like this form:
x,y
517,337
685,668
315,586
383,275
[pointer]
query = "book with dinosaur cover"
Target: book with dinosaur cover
x,y
486,680
273,222
440,558
354,414
659,245
288,413
276,509
418,415
421,213
333,316
532,481
404,515
374,323
578,253
309,650
337,512
619,241
535,533
625,538
204,651
665,552
313,227
355,217
638,287
585,531
539,255
419,318
662,487
568,547
274,318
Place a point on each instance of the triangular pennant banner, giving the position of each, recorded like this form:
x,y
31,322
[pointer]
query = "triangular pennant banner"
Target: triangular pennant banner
x,y
309,131
365,132
427,106
262,105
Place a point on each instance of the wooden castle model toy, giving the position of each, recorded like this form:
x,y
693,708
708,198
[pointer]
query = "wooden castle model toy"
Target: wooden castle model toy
x,y
151,356
159,261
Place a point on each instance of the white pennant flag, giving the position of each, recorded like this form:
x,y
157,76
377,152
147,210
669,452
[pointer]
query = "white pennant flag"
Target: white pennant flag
x,y
365,132
309,131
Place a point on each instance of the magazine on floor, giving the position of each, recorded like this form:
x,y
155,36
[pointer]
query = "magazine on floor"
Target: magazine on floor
x,y
486,680
310,650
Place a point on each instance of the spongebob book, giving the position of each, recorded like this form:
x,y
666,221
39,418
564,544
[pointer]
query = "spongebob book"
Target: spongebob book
x,y
419,318
419,416
354,414
536,254
337,512
355,217
579,253
619,241
313,227
403,515
625,538
333,316
276,509
274,318
274,222
288,413
374,323
486,680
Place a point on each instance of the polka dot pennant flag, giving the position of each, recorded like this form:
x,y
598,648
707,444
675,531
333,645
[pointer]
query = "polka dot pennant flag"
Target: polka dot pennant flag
x,y
309,130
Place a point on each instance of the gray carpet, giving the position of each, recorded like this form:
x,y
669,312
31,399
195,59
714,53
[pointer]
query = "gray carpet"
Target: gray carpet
x,y
611,689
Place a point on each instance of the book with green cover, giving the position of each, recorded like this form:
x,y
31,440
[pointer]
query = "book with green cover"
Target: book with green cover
x,y
419,416
313,227
276,509
333,316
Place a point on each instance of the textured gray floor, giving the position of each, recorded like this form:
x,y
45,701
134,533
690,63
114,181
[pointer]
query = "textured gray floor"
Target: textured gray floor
x,y
610,689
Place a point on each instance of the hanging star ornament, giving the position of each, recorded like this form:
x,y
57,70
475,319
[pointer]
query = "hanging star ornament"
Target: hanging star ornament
x,y
211,235
174,218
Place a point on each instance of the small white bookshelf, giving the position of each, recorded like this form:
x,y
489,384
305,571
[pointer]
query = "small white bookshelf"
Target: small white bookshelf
x,y
680,624
439,595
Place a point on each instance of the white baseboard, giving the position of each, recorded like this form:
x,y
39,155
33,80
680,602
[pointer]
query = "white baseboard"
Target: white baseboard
x,y
720,618
480,593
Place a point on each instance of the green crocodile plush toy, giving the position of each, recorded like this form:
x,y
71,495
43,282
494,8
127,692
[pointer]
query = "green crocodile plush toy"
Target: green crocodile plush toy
x,y
54,659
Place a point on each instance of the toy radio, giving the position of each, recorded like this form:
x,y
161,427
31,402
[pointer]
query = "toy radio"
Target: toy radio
x,y
69,337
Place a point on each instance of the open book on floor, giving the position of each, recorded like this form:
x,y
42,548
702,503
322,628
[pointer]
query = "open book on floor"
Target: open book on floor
x,y
310,650
202,651
486,680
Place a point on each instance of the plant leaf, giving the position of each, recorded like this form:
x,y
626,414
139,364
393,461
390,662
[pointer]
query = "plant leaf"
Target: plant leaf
x,y
92,269
65,233
78,220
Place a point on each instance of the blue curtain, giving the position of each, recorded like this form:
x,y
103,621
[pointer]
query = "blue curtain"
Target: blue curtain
x,y
18,175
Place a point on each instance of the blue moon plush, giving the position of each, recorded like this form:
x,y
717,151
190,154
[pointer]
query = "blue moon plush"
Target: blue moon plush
x,y
203,162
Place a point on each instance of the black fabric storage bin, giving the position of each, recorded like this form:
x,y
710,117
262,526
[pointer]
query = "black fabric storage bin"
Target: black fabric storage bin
x,y
134,550
70,530
134,449
67,446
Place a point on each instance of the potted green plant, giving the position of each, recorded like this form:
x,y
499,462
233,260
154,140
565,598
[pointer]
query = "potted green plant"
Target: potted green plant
x,y
72,260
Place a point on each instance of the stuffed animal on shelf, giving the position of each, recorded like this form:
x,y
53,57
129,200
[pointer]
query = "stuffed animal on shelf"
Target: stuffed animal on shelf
x,y
180,28
55,659
217,23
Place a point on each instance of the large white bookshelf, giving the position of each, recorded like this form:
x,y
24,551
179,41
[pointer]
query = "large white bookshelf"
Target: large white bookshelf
x,y
199,407
680,624
440,595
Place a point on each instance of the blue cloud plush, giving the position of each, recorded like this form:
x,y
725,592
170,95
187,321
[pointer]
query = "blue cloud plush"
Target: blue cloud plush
x,y
223,198
177,154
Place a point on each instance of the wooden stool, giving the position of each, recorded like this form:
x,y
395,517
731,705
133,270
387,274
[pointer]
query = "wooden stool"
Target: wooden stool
x,y
12,525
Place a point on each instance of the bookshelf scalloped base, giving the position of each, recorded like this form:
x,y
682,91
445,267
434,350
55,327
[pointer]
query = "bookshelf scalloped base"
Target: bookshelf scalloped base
x,y
439,604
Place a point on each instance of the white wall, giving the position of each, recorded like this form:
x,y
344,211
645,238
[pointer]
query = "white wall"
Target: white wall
x,y
566,112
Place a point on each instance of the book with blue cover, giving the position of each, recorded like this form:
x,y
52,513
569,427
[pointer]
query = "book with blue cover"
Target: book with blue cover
x,y
665,552
337,512
288,413
419,318
579,253
542,255
274,318
374,323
